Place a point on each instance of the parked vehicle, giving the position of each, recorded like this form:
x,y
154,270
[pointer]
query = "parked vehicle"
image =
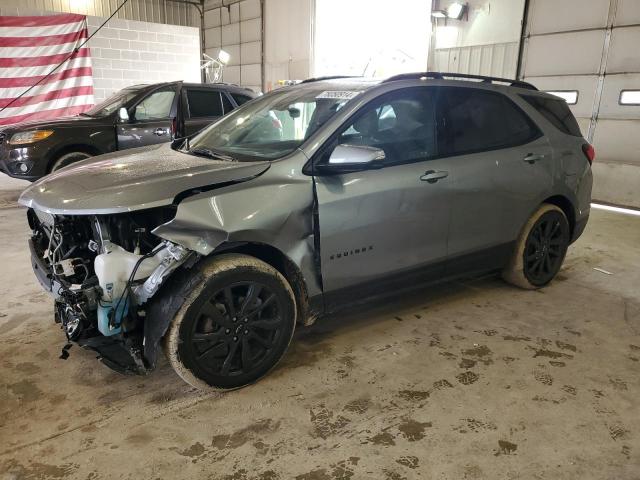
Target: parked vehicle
x,y
133,117
218,246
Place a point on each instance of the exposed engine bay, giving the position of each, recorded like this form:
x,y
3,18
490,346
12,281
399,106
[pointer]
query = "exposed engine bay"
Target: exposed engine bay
x,y
102,270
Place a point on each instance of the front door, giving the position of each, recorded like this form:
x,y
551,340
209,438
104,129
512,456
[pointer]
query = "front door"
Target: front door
x,y
150,120
386,226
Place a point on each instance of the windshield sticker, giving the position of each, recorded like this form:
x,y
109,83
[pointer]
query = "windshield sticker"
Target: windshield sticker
x,y
338,94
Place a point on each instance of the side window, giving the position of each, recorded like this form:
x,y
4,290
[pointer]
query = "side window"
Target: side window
x,y
240,99
155,106
204,103
226,103
475,120
557,112
402,124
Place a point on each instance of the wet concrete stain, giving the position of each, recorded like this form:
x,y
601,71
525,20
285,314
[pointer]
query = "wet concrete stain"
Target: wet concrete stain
x,y
557,364
505,448
516,338
38,470
442,384
320,474
413,430
324,423
358,406
569,389
618,432
27,368
474,426
565,346
194,450
383,439
618,384
467,378
543,377
240,437
413,395
25,390
409,461
549,354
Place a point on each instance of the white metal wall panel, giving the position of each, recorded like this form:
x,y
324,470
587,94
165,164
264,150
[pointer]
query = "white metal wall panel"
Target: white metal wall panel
x,y
154,11
498,59
236,29
573,53
592,47
547,16
627,13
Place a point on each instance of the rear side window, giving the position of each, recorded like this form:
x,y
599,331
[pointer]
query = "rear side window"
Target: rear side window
x,y
240,99
226,104
557,112
204,103
476,120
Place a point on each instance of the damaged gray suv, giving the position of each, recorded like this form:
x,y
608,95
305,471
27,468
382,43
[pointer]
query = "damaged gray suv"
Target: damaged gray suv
x,y
312,197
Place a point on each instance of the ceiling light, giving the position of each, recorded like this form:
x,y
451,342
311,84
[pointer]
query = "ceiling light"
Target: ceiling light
x,y
223,57
455,10
439,14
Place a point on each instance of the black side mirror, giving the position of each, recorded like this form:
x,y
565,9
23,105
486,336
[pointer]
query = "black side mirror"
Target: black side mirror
x,y
352,158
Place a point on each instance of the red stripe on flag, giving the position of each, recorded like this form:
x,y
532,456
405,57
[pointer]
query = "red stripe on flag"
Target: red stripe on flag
x,y
39,21
40,61
45,97
55,113
43,40
62,75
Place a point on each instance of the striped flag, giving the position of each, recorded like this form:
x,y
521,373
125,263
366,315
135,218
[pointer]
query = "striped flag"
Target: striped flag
x,y
30,48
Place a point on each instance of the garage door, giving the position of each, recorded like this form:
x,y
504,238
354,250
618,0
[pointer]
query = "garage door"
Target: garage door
x,y
588,53
237,29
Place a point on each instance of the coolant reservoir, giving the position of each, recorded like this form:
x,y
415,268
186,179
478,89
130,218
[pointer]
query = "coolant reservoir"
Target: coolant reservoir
x,y
113,269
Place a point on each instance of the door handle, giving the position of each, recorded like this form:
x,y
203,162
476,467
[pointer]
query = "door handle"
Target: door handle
x,y
533,157
161,131
432,176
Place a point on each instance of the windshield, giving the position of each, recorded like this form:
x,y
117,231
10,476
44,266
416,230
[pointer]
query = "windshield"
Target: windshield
x,y
272,126
112,103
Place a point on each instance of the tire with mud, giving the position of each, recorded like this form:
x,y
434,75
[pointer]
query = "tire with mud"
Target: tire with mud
x,y
234,326
540,249
67,159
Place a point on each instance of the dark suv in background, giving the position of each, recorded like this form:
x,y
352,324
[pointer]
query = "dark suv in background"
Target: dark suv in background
x,y
133,117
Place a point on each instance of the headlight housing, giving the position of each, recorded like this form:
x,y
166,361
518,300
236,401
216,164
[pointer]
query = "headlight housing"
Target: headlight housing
x,y
33,136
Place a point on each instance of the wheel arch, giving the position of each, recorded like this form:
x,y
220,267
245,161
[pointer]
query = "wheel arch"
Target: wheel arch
x,y
162,307
74,147
281,262
564,204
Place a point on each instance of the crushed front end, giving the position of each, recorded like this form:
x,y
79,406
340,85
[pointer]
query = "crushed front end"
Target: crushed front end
x,y
102,270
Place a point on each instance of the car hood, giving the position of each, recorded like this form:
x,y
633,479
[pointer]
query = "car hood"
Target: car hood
x,y
131,180
62,122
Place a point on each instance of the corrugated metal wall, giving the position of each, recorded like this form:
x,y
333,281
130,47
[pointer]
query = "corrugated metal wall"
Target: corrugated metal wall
x,y
237,29
592,48
497,59
155,11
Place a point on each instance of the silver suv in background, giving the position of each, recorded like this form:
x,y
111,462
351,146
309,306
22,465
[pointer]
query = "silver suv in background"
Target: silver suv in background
x,y
298,203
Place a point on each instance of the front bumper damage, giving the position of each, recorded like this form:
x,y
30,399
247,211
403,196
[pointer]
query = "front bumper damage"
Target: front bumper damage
x,y
80,303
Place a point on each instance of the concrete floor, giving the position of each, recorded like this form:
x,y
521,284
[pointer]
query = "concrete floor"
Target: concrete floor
x,y
470,380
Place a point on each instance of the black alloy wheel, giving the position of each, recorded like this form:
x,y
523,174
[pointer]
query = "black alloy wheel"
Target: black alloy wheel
x,y
545,248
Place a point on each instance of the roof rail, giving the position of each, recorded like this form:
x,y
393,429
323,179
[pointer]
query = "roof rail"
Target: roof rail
x,y
442,75
328,77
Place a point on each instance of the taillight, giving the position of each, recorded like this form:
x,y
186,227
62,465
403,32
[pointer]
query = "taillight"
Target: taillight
x,y
589,152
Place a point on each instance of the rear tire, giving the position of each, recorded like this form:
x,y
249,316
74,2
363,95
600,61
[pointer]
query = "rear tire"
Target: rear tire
x,y
234,327
67,159
540,249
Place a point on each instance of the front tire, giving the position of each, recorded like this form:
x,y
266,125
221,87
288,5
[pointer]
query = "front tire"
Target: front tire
x,y
234,327
68,159
540,249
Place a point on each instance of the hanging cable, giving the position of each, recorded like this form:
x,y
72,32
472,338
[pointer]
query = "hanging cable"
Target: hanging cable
x,y
75,50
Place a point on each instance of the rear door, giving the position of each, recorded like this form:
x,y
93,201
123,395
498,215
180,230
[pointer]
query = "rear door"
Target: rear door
x,y
150,120
202,106
500,166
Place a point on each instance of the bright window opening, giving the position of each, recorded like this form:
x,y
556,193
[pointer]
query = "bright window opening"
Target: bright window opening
x,y
569,96
630,97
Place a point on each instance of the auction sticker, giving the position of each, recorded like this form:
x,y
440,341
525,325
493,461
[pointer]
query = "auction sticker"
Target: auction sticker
x,y
338,94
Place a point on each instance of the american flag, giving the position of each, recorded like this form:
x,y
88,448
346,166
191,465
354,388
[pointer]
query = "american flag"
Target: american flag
x,y
30,48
